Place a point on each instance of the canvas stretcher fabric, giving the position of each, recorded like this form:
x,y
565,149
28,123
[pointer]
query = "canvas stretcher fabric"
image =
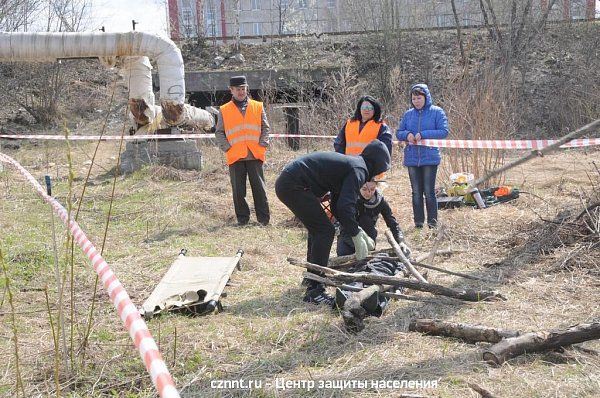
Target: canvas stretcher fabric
x,y
192,285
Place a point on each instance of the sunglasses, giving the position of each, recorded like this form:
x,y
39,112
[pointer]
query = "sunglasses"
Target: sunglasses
x,y
367,107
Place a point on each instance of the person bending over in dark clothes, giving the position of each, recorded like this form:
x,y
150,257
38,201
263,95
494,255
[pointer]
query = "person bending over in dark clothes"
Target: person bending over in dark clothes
x,y
305,180
370,205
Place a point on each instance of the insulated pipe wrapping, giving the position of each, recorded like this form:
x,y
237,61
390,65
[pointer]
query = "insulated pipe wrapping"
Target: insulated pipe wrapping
x,y
48,46
137,73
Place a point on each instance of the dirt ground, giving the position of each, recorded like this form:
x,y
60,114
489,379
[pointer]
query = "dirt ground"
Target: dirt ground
x,y
266,333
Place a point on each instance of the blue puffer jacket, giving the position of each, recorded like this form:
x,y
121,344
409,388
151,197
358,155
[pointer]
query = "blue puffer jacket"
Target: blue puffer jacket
x,y
431,122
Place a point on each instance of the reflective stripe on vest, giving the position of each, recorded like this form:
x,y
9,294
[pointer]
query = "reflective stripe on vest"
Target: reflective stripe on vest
x,y
357,141
243,132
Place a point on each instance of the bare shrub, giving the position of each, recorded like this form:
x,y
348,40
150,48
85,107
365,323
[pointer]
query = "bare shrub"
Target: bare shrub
x,y
479,107
336,103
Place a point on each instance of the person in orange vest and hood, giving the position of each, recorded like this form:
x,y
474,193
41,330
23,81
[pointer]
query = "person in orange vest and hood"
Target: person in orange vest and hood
x,y
242,132
363,127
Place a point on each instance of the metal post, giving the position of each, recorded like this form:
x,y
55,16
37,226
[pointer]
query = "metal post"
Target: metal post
x,y
292,122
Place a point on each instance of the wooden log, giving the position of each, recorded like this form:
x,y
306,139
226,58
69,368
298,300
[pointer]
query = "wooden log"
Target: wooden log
x,y
440,235
353,312
468,333
343,261
399,296
538,152
441,252
480,390
445,271
540,341
461,294
442,270
400,254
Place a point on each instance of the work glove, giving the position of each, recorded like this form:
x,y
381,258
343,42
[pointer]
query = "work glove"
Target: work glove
x,y
362,244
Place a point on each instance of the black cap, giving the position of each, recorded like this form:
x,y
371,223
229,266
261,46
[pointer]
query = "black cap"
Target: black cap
x,y
235,81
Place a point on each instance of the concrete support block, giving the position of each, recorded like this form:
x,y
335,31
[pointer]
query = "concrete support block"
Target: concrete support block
x,y
180,154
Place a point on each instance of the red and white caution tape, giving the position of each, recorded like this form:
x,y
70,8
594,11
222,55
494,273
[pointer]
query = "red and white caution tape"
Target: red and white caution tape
x,y
138,137
105,137
129,314
473,144
508,144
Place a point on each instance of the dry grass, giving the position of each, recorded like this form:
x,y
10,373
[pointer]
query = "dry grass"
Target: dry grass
x,y
266,332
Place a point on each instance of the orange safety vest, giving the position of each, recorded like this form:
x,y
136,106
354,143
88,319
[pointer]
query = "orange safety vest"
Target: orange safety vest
x,y
357,141
243,132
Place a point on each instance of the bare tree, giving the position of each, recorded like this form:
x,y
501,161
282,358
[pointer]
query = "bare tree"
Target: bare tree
x,y
67,15
18,15
39,88
459,33
522,28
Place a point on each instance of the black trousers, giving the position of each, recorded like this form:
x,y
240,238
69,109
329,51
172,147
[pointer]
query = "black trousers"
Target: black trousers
x,y
307,207
253,170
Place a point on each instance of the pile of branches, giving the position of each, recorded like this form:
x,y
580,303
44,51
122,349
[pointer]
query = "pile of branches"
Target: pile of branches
x,y
574,232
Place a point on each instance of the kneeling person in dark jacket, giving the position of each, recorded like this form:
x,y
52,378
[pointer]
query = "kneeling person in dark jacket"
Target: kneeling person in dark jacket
x,y
305,180
370,205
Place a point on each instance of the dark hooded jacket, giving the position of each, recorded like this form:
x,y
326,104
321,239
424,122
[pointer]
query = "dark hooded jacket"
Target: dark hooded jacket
x,y
342,176
367,214
431,122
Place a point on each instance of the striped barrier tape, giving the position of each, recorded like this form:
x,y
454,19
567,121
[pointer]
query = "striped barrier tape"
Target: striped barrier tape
x,y
508,144
463,144
129,314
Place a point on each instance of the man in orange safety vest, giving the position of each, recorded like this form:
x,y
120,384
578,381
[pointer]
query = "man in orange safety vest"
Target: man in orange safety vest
x,y
242,132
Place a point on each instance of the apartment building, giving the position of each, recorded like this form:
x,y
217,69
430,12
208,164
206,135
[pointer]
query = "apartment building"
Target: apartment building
x,y
256,18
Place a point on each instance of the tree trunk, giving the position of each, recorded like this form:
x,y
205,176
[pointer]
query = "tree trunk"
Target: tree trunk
x,y
462,294
468,333
537,153
540,341
463,58
399,296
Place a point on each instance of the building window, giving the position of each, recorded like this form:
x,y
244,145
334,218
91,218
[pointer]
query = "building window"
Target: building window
x,y
283,4
331,3
255,4
302,4
444,20
211,26
256,29
187,21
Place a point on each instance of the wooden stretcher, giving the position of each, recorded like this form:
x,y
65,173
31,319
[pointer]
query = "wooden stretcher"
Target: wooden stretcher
x,y
192,285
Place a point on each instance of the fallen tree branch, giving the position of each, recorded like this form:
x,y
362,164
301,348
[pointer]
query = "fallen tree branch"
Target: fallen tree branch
x,y
419,264
343,286
398,251
442,252
436,243
480,390
468,333
587,210
349,261
540,341
537,153
462,294
445,271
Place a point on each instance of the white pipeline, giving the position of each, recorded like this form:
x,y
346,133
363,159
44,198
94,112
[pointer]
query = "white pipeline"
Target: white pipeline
x,y
49,46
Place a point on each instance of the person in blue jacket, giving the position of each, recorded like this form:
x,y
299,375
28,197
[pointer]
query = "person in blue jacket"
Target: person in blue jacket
x,y
423,121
